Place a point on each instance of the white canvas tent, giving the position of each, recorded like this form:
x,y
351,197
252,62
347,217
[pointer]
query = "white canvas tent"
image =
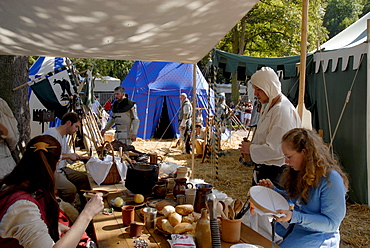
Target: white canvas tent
x,y
159,30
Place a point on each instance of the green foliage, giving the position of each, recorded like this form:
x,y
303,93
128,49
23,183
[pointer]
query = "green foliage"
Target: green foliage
x,y
103,67
273,29
342,13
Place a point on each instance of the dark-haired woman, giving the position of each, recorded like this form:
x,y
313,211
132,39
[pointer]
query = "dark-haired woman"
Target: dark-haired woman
x,y
317,186
28,208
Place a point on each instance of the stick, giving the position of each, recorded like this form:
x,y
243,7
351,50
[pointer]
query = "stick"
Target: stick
x,y
28,83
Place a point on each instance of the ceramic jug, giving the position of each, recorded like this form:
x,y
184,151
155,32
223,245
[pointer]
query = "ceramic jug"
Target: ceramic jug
x,y
180,186
201,196
160,190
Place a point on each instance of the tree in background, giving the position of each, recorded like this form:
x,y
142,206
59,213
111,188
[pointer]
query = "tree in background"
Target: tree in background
x,y
272,28
103,67
342,13
13,73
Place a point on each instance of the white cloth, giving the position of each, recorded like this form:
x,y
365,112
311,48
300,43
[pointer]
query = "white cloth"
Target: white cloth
x,y
95,107
7,162
99,169
63,142
273,121
23,222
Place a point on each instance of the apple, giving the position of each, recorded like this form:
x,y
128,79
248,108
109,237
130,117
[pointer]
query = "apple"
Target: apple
x,y
118,202
138,198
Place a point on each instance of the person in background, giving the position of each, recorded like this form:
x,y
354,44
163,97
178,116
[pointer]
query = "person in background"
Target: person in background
x,y
248,113
95,107
277,116
185,114
9,136
28,207
124,116
69,181
108,104
200,132
317,186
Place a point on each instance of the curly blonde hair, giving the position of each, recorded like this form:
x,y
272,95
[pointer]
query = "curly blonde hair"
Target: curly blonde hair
x,y
317,163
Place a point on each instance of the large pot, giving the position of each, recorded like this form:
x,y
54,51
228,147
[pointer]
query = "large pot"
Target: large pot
x,y
141,178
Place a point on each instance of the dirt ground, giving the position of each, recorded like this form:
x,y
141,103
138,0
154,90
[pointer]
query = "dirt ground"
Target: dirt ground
x,y
227,174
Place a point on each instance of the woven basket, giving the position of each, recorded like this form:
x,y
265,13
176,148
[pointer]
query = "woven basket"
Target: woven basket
x,y
113,174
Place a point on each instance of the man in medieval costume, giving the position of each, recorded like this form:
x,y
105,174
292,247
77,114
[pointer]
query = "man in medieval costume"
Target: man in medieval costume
x,y
185,123
124,116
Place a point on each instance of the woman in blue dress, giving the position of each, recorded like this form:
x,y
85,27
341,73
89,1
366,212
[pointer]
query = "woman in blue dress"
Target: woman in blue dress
x,y
317,187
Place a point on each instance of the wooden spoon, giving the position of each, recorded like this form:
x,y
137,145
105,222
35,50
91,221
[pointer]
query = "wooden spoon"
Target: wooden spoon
x,y
238,205
225,210
219,210
231,212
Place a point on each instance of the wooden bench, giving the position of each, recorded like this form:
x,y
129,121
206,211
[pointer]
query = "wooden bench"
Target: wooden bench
x,y
110,231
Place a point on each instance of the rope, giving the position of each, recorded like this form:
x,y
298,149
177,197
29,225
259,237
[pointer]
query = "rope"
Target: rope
x,y
332,135
218,127
346,101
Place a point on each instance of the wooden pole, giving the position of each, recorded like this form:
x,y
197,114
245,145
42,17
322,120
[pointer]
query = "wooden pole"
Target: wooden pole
x,y
302,68
193,118
368,114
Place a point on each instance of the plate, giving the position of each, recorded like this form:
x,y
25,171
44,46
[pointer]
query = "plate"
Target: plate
x,y
90,193
245,245
267,200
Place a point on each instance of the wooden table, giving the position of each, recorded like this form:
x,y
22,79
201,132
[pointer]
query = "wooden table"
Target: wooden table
x,y
110,232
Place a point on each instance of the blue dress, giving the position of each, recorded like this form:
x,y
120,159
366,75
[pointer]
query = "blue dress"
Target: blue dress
x,y
317,223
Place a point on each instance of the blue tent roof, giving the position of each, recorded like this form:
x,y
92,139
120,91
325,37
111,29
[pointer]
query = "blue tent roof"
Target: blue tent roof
x,y
151,84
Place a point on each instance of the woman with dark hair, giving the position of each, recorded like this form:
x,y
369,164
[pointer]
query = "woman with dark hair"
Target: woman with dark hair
x,y
28,208
317,186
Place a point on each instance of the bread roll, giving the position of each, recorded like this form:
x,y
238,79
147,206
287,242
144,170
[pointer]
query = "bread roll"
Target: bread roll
x,y
166,226
184,209
174,218
167,210
187,219
160,205
182,228
196,216
158,221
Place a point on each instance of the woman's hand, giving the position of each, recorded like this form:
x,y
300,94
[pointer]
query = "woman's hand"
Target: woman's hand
x,y
286,218
266,183
95,205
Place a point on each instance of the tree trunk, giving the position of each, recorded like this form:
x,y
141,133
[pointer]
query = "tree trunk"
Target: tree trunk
x,y
14,72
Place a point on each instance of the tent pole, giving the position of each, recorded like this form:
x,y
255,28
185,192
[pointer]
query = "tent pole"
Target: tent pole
x,y
193,118
368,113
146,114
302,67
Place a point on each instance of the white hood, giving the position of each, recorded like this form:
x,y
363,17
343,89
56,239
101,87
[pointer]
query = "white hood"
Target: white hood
x,y
267,80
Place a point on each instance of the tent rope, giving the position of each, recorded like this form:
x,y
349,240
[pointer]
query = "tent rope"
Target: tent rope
x,y
346,101
332,135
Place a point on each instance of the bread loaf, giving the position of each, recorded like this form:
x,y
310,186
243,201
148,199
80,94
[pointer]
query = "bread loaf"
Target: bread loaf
x,y
166,226
183,228
174,218
184,209
158,221
160,205
187,219
167,210
196,216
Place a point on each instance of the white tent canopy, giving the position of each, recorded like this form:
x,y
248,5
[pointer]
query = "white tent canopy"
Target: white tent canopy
x,y
348,43
157,30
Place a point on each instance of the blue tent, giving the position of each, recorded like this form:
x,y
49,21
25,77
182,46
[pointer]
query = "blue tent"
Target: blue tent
x,y
156,86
